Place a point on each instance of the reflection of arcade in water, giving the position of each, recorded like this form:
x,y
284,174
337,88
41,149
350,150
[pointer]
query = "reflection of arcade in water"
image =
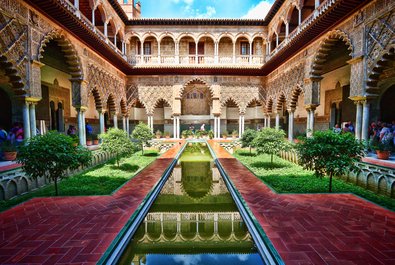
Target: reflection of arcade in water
x,y
193,220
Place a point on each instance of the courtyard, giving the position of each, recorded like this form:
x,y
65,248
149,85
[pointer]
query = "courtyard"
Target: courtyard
x,y
179,132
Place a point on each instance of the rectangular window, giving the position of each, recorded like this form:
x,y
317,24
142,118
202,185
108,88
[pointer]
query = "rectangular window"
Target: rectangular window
x,y
192,48
147,48
244,48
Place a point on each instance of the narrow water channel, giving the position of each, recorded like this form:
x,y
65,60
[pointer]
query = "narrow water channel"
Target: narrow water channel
x,y
193,220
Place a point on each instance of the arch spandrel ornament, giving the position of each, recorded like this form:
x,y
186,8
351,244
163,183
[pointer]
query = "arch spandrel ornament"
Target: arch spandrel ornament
x,y
149,95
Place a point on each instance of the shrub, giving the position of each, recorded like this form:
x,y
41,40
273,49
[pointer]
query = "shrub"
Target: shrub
x,y
330,153
270,141
117,141
211,134
247,138
142,133
51,155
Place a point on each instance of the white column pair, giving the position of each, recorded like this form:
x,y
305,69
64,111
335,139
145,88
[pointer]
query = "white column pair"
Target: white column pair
x,y
217,127
291,124
81,126
310,121
241,125
151,122
29,119
277,121
176,127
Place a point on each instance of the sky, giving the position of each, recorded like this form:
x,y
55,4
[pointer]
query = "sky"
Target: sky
x,y
253,9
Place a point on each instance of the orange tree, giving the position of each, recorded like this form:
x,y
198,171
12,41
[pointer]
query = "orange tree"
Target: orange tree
x,y
51,155
329,153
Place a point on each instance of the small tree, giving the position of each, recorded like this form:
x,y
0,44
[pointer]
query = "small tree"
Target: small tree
x,y
51,155
247,138
330,153
142,133
271,141
117,141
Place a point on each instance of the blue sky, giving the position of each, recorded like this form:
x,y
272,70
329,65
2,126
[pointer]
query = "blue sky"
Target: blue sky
x,y
205,8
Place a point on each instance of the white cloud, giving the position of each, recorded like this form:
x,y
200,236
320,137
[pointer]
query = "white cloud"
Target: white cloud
x,y
196,13
258,11
187,259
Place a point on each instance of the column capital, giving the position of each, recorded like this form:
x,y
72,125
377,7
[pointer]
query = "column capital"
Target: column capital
x,y
358,99
356,59
310,107
312,79
291,110
81,108
37,63
32,100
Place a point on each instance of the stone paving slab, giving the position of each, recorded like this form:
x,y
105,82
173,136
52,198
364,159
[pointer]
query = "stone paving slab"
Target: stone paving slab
x,y
316,228
73,230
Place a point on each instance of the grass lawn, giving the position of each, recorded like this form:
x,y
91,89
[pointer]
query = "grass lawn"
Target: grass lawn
x,y
286,177
100,180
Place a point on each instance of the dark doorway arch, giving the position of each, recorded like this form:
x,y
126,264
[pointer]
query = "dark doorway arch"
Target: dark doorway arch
x,y
5,110
387,108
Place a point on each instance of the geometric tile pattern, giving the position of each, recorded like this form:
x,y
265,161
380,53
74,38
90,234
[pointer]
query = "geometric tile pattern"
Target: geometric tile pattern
x,y
73,230
316,228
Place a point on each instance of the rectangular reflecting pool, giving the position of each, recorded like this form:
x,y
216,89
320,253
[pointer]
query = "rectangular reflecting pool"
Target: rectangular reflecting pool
x,y
193,220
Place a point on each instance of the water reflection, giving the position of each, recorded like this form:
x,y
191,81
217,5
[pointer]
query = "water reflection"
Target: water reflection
x,y
193,221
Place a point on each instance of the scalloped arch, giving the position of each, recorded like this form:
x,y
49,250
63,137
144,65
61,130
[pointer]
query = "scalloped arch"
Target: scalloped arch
x,y
71,54
324,49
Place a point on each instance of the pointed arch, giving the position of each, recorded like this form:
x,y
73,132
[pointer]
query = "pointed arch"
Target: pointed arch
x,y
281,102
324,49
296,92
269,106
382,62
110,103
95,92
197,80
71,54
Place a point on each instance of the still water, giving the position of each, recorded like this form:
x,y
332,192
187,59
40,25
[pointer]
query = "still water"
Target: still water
x,y
193,221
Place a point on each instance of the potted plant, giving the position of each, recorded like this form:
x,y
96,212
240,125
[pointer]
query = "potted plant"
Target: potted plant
x,y
204,134
95,139
9,151
384,147
234,134
89,140
225,134
158,134
211,134
190,134
167,135
184,134
75,138
198,134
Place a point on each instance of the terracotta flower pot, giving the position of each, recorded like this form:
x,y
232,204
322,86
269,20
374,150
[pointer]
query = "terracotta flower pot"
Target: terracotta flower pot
x,y
384,155
95,142
88,142
9,156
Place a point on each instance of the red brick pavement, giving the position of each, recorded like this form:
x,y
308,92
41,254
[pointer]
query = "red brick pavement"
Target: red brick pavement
x,y
73,230
316,228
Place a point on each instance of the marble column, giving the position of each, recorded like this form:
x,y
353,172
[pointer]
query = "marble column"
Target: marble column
x,y
219,127
358,120
311,120
264,121
242,124
101,120
127,125
124,123
83,125
178,127
277,121
174,127
291,124
215,126
240,131
115,119
365,121
80,127
268,121
308,122
33,126
26,120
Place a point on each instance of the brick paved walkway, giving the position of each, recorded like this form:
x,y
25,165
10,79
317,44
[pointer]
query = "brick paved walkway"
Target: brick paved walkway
x,y
73,230
316,228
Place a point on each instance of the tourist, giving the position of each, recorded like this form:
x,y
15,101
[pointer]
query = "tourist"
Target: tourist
x,y
346,128
351,127
385,132
89,129
19,134
3,135
71,130
202,127
337,128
